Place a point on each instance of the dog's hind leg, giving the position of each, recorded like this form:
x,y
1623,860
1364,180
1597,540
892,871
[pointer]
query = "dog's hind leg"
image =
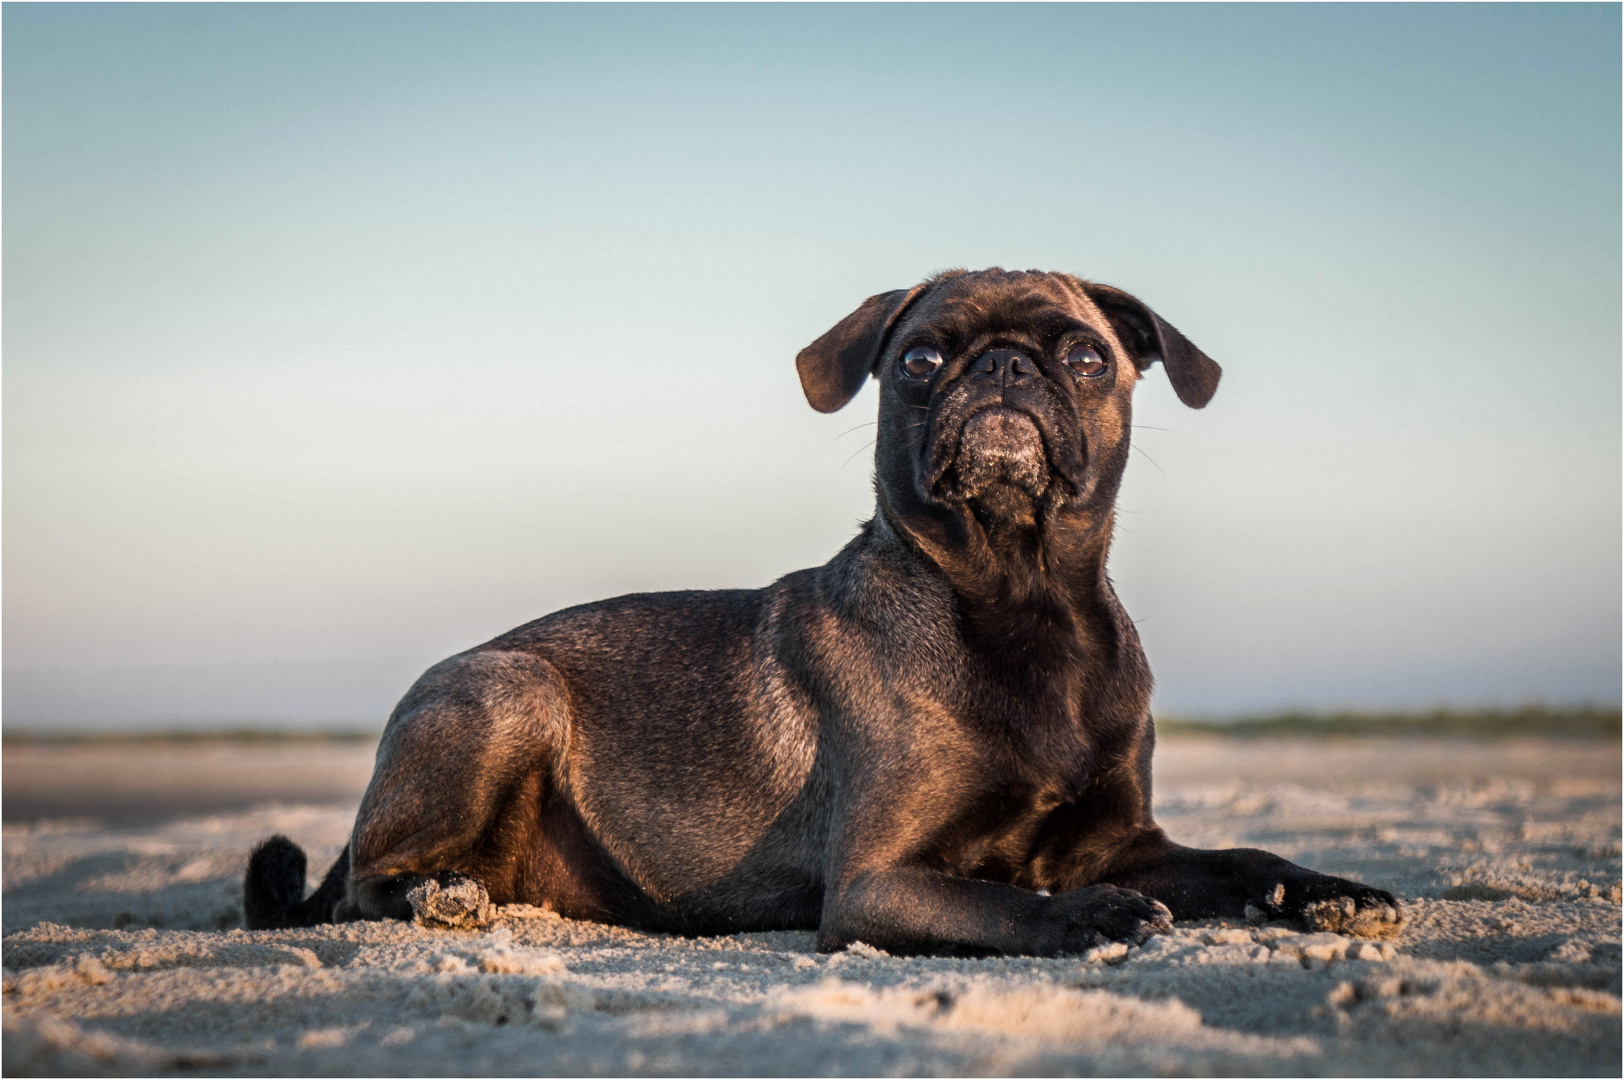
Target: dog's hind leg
x,y
449,822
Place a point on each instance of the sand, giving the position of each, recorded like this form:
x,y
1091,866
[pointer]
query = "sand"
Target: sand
x,y
122,956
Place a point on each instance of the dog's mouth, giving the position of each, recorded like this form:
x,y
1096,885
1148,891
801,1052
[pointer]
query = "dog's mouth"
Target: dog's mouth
x,y
999,447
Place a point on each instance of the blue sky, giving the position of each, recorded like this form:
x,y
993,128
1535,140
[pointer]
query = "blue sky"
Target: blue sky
x,y
337,339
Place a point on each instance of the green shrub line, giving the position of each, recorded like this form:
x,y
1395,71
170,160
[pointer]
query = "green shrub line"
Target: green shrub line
x,y
1531,721
170,736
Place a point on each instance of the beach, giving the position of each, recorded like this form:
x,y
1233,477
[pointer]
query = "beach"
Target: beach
x,y
123,953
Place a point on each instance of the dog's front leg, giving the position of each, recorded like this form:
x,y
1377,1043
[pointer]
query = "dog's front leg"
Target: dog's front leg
x,y
911,910
1252,884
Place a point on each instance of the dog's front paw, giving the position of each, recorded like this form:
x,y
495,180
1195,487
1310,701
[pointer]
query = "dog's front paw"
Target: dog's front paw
x,y
1370,913
1084,918
1324,903
449,901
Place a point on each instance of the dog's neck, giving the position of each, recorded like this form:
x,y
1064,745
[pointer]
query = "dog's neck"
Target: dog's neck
x,y
1038,573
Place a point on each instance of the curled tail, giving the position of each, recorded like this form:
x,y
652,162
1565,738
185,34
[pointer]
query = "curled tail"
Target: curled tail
x,y
273,888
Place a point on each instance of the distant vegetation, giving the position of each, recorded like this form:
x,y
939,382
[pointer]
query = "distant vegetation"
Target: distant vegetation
x,y
236,734
1533,721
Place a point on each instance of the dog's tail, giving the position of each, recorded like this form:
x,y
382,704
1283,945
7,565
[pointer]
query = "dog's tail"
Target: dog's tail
x,y
273,888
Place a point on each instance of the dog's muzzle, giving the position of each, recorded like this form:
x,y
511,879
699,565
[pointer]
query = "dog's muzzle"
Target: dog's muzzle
x,y
1001,446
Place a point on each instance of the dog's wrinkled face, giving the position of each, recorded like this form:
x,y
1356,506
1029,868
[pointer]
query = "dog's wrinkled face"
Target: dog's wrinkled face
x,y
1005,396
1007,392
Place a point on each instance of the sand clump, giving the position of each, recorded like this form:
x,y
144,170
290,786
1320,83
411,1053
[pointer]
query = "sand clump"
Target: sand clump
x,y
116,961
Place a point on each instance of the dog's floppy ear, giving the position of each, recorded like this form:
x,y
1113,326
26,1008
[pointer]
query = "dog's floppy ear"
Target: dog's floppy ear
x,y
1150,338
834,367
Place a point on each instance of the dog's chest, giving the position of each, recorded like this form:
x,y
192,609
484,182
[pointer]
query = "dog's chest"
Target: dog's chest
x,y
1020,831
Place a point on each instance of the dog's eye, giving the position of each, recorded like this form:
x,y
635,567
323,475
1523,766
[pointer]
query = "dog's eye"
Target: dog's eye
x,y
1085,360
919,361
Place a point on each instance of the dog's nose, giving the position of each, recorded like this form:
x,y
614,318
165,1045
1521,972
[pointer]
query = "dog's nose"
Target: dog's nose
x,y
1006,367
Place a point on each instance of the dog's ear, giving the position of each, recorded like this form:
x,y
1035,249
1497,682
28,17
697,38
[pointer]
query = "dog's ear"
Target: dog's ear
x,y
834,367
1150,338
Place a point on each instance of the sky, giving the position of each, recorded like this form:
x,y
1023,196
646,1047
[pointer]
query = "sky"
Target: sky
x,y
337,339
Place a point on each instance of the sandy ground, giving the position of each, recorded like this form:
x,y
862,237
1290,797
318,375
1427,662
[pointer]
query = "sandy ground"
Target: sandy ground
x,y
122,956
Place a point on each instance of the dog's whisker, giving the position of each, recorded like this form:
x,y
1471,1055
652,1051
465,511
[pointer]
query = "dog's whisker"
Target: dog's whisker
x,y
859,427
860,449
1152,460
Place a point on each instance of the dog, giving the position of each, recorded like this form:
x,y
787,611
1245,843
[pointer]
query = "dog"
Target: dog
x,y
939,742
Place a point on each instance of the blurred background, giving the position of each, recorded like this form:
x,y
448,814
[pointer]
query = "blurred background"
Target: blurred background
x,y
339,339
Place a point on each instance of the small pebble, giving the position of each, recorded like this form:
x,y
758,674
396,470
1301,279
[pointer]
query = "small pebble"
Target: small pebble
x,y
1109,953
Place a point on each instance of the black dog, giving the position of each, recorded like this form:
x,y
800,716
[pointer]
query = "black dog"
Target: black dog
x,y
939,741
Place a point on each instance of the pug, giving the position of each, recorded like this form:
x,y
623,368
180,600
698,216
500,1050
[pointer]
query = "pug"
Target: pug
x,y
938,742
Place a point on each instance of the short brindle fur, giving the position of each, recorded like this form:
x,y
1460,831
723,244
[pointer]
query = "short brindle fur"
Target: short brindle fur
x,y
938,742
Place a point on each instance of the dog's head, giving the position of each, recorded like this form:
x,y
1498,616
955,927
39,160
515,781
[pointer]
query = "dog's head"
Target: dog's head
x,y
1004,396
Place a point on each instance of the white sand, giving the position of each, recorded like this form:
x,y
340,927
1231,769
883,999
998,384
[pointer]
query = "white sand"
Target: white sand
x,y
120,957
